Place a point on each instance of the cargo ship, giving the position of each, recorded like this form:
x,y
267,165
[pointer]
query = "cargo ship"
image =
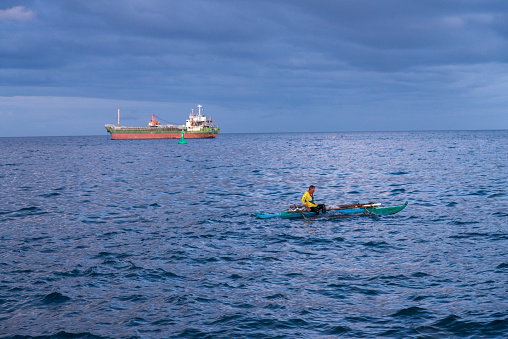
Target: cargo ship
x,y
196,127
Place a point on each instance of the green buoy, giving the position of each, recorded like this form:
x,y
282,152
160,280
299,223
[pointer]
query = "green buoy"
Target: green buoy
x,y
182,140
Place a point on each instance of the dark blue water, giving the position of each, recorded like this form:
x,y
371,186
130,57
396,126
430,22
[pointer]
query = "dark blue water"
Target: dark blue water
x,y
154,239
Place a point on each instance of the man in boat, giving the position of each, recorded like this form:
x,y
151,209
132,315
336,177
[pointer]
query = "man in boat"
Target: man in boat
x,y
310,204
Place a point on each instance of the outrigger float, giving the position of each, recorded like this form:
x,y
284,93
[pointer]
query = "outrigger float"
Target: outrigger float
x,y
336,211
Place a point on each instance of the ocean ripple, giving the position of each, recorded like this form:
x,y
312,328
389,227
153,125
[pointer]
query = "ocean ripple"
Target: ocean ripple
x,y
104,239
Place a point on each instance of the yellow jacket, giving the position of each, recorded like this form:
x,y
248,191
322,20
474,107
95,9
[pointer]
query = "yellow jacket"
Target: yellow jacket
x,y
308,200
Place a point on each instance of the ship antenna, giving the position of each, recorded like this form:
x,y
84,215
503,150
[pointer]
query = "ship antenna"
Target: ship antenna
x,y
119,117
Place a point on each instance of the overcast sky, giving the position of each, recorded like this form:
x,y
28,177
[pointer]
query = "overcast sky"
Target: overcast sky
x,y
255,66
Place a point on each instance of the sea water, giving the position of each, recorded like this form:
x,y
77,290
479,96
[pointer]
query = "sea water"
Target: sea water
x,y
102,238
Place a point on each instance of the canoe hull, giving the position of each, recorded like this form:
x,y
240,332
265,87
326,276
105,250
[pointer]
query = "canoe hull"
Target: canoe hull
x,y
337,213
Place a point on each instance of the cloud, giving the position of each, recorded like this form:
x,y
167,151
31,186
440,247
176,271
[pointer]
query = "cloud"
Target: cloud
x,y
18,13
264,60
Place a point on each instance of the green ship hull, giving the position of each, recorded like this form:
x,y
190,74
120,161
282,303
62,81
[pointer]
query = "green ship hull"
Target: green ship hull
x,y
134,133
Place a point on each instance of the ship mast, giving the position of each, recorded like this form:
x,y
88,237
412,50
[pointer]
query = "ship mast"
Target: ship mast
x,y
119,117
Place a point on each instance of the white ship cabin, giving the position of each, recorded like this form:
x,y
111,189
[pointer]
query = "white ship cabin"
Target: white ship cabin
x,y
197,122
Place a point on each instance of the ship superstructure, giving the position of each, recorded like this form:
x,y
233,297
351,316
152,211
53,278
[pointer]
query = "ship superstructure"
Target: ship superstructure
x,y
198,122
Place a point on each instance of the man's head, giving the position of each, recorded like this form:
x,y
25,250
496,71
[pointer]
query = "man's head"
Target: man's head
x,y
312,188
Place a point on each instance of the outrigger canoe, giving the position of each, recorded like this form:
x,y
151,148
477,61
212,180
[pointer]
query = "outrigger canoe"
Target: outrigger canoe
x,y
337,211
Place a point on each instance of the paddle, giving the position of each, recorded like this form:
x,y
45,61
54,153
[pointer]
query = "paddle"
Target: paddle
x,y
303,215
